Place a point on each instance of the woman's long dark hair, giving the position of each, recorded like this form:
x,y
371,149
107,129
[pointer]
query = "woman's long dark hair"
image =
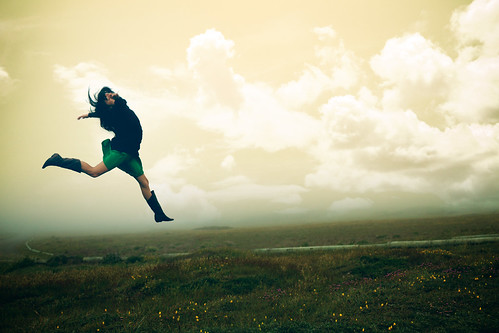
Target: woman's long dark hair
x,y
101,108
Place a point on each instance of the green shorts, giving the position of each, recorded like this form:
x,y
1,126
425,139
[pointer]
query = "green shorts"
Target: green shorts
x,y
126,162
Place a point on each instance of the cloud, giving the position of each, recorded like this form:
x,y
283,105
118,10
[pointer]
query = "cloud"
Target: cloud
x,y
311,84
433,129
474,97
7,84
167,169
80,78
364,149
178,81
349,204
207,57
188,205
248,114
477,27
255,115
338,68
325,33
417,76
228,163
153,106
263,122
187,202
410,58
242,189
4,75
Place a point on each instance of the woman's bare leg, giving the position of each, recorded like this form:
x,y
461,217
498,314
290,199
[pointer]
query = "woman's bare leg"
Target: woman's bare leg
x,y
144,186
95,171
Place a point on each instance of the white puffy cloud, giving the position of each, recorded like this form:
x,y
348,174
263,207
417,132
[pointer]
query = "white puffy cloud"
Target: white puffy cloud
x,y
247,114
477,27
263,122
410,58
341,64
475,94
311,84
474,97
363,149
207,57
416,75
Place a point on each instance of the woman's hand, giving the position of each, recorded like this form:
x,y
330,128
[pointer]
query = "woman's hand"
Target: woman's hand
x,y
83,116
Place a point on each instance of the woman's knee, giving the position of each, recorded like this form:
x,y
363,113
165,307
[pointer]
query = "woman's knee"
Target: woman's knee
x,y
95,171
143,181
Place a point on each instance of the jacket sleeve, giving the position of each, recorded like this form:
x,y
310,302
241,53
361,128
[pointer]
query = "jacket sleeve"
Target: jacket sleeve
x,y
93,115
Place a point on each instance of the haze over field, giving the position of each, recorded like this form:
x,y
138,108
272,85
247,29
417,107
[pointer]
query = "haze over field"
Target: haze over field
x,y
268,111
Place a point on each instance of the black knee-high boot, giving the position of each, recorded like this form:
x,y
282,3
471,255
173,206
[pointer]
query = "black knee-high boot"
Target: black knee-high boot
x,y
159,215
66,163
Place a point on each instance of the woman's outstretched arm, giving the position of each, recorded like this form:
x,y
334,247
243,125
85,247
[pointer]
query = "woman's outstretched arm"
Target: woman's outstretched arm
x,y
88,115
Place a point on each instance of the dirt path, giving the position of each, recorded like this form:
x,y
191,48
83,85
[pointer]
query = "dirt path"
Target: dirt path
x,y
475,239
35,250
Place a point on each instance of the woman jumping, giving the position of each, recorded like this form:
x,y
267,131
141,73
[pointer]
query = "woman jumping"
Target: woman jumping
x,y
122,151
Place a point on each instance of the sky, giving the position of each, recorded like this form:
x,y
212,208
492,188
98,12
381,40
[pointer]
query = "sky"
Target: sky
x,y
254,113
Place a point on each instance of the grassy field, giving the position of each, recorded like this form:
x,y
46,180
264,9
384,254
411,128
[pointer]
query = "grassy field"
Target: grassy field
x,y
223,286
339,233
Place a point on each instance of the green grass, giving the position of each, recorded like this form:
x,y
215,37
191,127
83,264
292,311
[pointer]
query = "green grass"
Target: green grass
x,y
378,290
446,289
